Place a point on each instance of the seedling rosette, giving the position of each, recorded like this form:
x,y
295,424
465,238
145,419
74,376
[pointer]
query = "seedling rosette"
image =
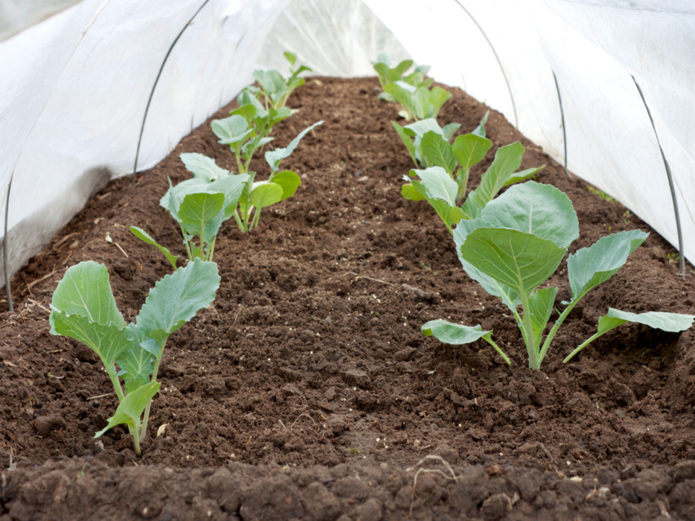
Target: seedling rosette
x,y
516,244
243,141
84,308
443,183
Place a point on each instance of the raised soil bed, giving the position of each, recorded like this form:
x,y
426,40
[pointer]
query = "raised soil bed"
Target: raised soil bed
x,y
307,390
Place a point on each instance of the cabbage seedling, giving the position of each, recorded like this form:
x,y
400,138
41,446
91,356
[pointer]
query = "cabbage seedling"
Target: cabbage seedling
x,y
274,87
445,185
200,206
243,141
387,74
516,244
83,308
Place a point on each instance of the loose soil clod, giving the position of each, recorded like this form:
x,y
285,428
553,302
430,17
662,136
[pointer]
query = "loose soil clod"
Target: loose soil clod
x,y
307,391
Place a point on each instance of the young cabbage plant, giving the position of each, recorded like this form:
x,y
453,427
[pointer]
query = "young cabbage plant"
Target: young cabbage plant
x,y
516,244
83,308
417,77
418,102
445,187
274,87
256,195
200,206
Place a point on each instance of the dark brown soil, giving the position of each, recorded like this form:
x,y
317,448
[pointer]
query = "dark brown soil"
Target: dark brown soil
x,y
307,390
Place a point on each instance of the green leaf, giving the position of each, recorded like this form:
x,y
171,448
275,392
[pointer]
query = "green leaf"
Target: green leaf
x,y
589,267
147,239
540,307
177,297
436,151
411,193
288,180
273,157
85,291
106,340
523,175
265,193
131,408
201,214
231,130
454,334
271,82
470,149
511,259
203,167
534,208
507,160
670,322
438,184
436,97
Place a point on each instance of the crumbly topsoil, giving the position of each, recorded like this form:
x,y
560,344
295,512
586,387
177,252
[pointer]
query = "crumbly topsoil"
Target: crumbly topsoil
x,y
307,390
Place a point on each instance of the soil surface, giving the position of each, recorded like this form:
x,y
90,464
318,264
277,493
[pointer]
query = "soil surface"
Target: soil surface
x,y
307,391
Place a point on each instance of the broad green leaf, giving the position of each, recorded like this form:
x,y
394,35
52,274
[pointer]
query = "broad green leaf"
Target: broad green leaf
x,y
84,290
507,160
203,167
265,193
271,82
201,214
147,239
670,322
232,187
231,130
438,183
534,208
131,408
436,151
511,258
589,267
177,297
418,130
540,307
248,111
411,193
450,333
422,127
406,139
106,340
436,97
288,180
273,157
470,149
480,129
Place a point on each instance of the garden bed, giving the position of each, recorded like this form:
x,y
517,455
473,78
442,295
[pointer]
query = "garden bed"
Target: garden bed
x,y
307,390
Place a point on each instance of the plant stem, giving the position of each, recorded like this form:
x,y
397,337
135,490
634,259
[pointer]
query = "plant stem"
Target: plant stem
x,y
462,181
155,370
558,323
534,361
584,344
211,249
256,218
489,340
116,383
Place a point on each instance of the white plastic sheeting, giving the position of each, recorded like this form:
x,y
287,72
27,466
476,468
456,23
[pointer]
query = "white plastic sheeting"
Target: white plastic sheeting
x,y
75,86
